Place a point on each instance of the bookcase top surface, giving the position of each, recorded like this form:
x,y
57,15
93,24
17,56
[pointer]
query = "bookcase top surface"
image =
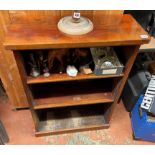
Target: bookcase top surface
x,y
107,32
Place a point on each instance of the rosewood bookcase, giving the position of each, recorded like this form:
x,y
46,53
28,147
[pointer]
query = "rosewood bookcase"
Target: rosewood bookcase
x,y
60,103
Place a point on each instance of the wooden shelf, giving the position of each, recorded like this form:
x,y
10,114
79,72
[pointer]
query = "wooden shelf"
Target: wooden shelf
x,y
80,103
72,93
44,131
72,119
73,100
65,77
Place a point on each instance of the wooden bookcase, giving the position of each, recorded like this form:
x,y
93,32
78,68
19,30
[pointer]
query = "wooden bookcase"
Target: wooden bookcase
x,y
61,103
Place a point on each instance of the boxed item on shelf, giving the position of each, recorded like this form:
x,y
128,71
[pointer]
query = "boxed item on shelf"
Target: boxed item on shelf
x,y
106,61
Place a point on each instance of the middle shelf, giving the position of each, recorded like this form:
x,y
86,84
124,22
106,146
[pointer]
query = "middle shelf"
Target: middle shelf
x,y
65,77
72,93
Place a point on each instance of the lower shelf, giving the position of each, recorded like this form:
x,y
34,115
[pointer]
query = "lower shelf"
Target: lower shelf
x,y
69,119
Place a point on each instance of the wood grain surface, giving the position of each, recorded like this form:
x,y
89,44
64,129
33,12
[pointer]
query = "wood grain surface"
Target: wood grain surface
x,y
65,77
72,93
46,35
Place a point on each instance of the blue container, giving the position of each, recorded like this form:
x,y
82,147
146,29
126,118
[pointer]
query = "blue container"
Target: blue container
x,y
143,127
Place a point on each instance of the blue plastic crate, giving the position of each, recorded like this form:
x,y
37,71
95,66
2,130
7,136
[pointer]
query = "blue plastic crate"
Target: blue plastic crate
x,y
143,127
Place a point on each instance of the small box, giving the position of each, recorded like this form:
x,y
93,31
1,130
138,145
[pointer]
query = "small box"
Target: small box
x,y
143,125
106,61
